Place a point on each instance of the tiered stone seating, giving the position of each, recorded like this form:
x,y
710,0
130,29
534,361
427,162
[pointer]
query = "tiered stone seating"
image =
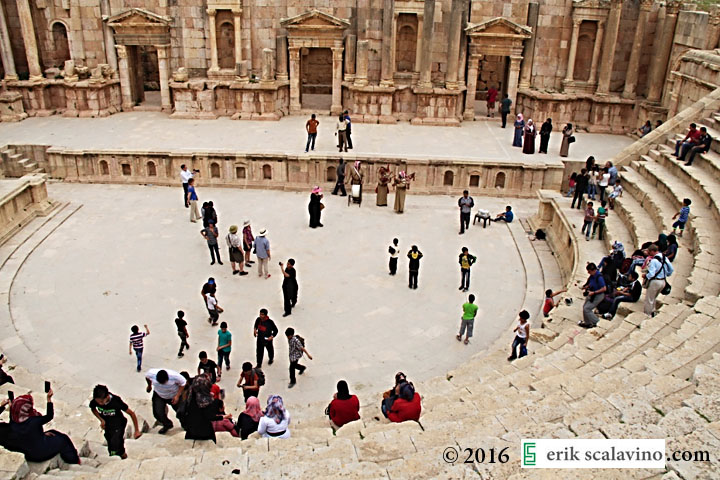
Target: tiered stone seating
x,y
632,377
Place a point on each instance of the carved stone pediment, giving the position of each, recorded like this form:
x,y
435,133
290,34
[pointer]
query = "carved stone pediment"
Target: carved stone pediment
x,y
314,20
138,17
137,26
604,4
499,26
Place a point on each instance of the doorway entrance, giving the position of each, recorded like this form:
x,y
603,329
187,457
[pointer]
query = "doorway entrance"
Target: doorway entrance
x,y
316,74
145,77
492,72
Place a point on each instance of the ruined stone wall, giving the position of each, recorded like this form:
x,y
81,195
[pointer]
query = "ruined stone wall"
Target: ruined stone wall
x,y
626,36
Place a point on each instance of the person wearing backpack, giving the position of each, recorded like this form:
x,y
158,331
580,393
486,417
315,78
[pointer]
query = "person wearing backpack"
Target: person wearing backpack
x,y
659,269
254,379
296,346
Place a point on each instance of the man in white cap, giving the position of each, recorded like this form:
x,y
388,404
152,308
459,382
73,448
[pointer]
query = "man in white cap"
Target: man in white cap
x,y
235,251
262,250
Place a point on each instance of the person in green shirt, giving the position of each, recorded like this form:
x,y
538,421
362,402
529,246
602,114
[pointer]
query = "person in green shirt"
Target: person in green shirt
x,y
600,217
468,319
224,347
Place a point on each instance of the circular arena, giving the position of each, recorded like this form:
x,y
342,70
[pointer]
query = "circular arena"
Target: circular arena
x,y
97,235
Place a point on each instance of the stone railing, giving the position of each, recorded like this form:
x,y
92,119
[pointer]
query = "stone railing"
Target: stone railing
x,y
21,200
293,172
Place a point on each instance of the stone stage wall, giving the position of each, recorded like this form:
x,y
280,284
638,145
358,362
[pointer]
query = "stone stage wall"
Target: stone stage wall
x,y
291,172
559,237
21,200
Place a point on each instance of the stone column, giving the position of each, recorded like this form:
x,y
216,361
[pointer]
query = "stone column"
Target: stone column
x,y
472,74
162,53
6,48
361,71
213,40
609,47
713,36
28,33
386,66
463,43
426,54
453,61
294,79
596,51
529,50
336,105
350,49
513,77
237,27
661,54
631,78
570,73
418,48
268,73
281,49
124,72
108,37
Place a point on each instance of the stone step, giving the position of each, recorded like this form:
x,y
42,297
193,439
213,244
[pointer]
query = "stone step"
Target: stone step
x,y
638,221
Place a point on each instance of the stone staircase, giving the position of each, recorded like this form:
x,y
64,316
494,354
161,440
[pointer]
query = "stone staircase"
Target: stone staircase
x,y
16,164
631,377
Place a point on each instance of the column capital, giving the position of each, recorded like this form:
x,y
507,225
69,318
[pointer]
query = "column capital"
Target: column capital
x,y
237,12
715,17
121,51
162,51
646,5
672,7
516,58
601,23
577,21
211,12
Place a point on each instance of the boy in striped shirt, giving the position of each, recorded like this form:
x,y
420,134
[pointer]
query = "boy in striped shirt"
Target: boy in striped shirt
x,y
137,343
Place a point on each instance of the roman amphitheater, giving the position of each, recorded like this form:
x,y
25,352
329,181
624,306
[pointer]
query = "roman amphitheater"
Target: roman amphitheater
x,y
102,101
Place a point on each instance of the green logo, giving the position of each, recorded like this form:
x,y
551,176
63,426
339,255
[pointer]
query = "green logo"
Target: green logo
x,y
528,454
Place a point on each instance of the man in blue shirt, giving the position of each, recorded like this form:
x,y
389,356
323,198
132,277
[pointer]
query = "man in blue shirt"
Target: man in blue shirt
x,y
348,129
659,270
613,171
506,216
192,199
594,291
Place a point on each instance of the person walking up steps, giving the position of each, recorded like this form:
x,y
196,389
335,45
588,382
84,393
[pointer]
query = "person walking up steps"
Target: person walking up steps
x,y
682,217
262,250
394,251
311,129
466,261
192,201
414,266
208,366
599,225
181,325
167,387
137,343
109,410
296,347
224,347
468,319
588,220
522,335
265,331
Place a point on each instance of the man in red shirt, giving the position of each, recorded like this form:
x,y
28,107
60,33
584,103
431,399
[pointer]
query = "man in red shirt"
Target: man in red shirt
x,y
491,99
311,129
691,139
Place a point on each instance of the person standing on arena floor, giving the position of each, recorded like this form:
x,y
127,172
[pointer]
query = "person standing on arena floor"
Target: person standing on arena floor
x,y
181,325
213,308
167,387
340,182
296,348
394,251
311,129
465,203
348,130
248,240
505,109
208,366
209,286
262,251
210,234
467,320
289,286
137,343
185,176
265,331
192,201
109,408
492,94
224,347
466,260
414,266
235,251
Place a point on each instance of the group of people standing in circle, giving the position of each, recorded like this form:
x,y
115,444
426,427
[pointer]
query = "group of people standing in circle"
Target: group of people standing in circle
x,y
526,132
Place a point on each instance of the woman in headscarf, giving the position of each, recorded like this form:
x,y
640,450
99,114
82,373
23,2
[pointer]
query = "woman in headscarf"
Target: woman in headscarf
x,y
315,207
402,184
545,135
26,425
202,410
529,137
356,178
276,420
344,408
519,126
248,420
384,178
567,134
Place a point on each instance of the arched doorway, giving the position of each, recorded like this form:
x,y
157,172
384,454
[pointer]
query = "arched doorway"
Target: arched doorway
x,y
226,44
406,43
60,45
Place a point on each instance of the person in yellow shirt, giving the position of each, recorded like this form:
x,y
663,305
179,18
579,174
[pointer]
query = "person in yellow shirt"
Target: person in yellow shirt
x,y
466,261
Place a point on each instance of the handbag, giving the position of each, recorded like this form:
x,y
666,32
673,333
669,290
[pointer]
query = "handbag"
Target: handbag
x,y
667,289
322,206
571,139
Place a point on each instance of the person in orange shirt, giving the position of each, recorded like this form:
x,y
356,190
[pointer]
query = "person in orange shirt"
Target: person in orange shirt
x,y
311,128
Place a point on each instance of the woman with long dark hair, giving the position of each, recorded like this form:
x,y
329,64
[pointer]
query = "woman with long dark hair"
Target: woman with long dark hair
x,y
344,408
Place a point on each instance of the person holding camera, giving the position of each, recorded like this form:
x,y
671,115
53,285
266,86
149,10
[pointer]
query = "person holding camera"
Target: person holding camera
x,y
186,175
594,292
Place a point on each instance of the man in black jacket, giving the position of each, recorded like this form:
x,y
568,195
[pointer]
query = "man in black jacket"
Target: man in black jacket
x,y
414,266
265,331
581,186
